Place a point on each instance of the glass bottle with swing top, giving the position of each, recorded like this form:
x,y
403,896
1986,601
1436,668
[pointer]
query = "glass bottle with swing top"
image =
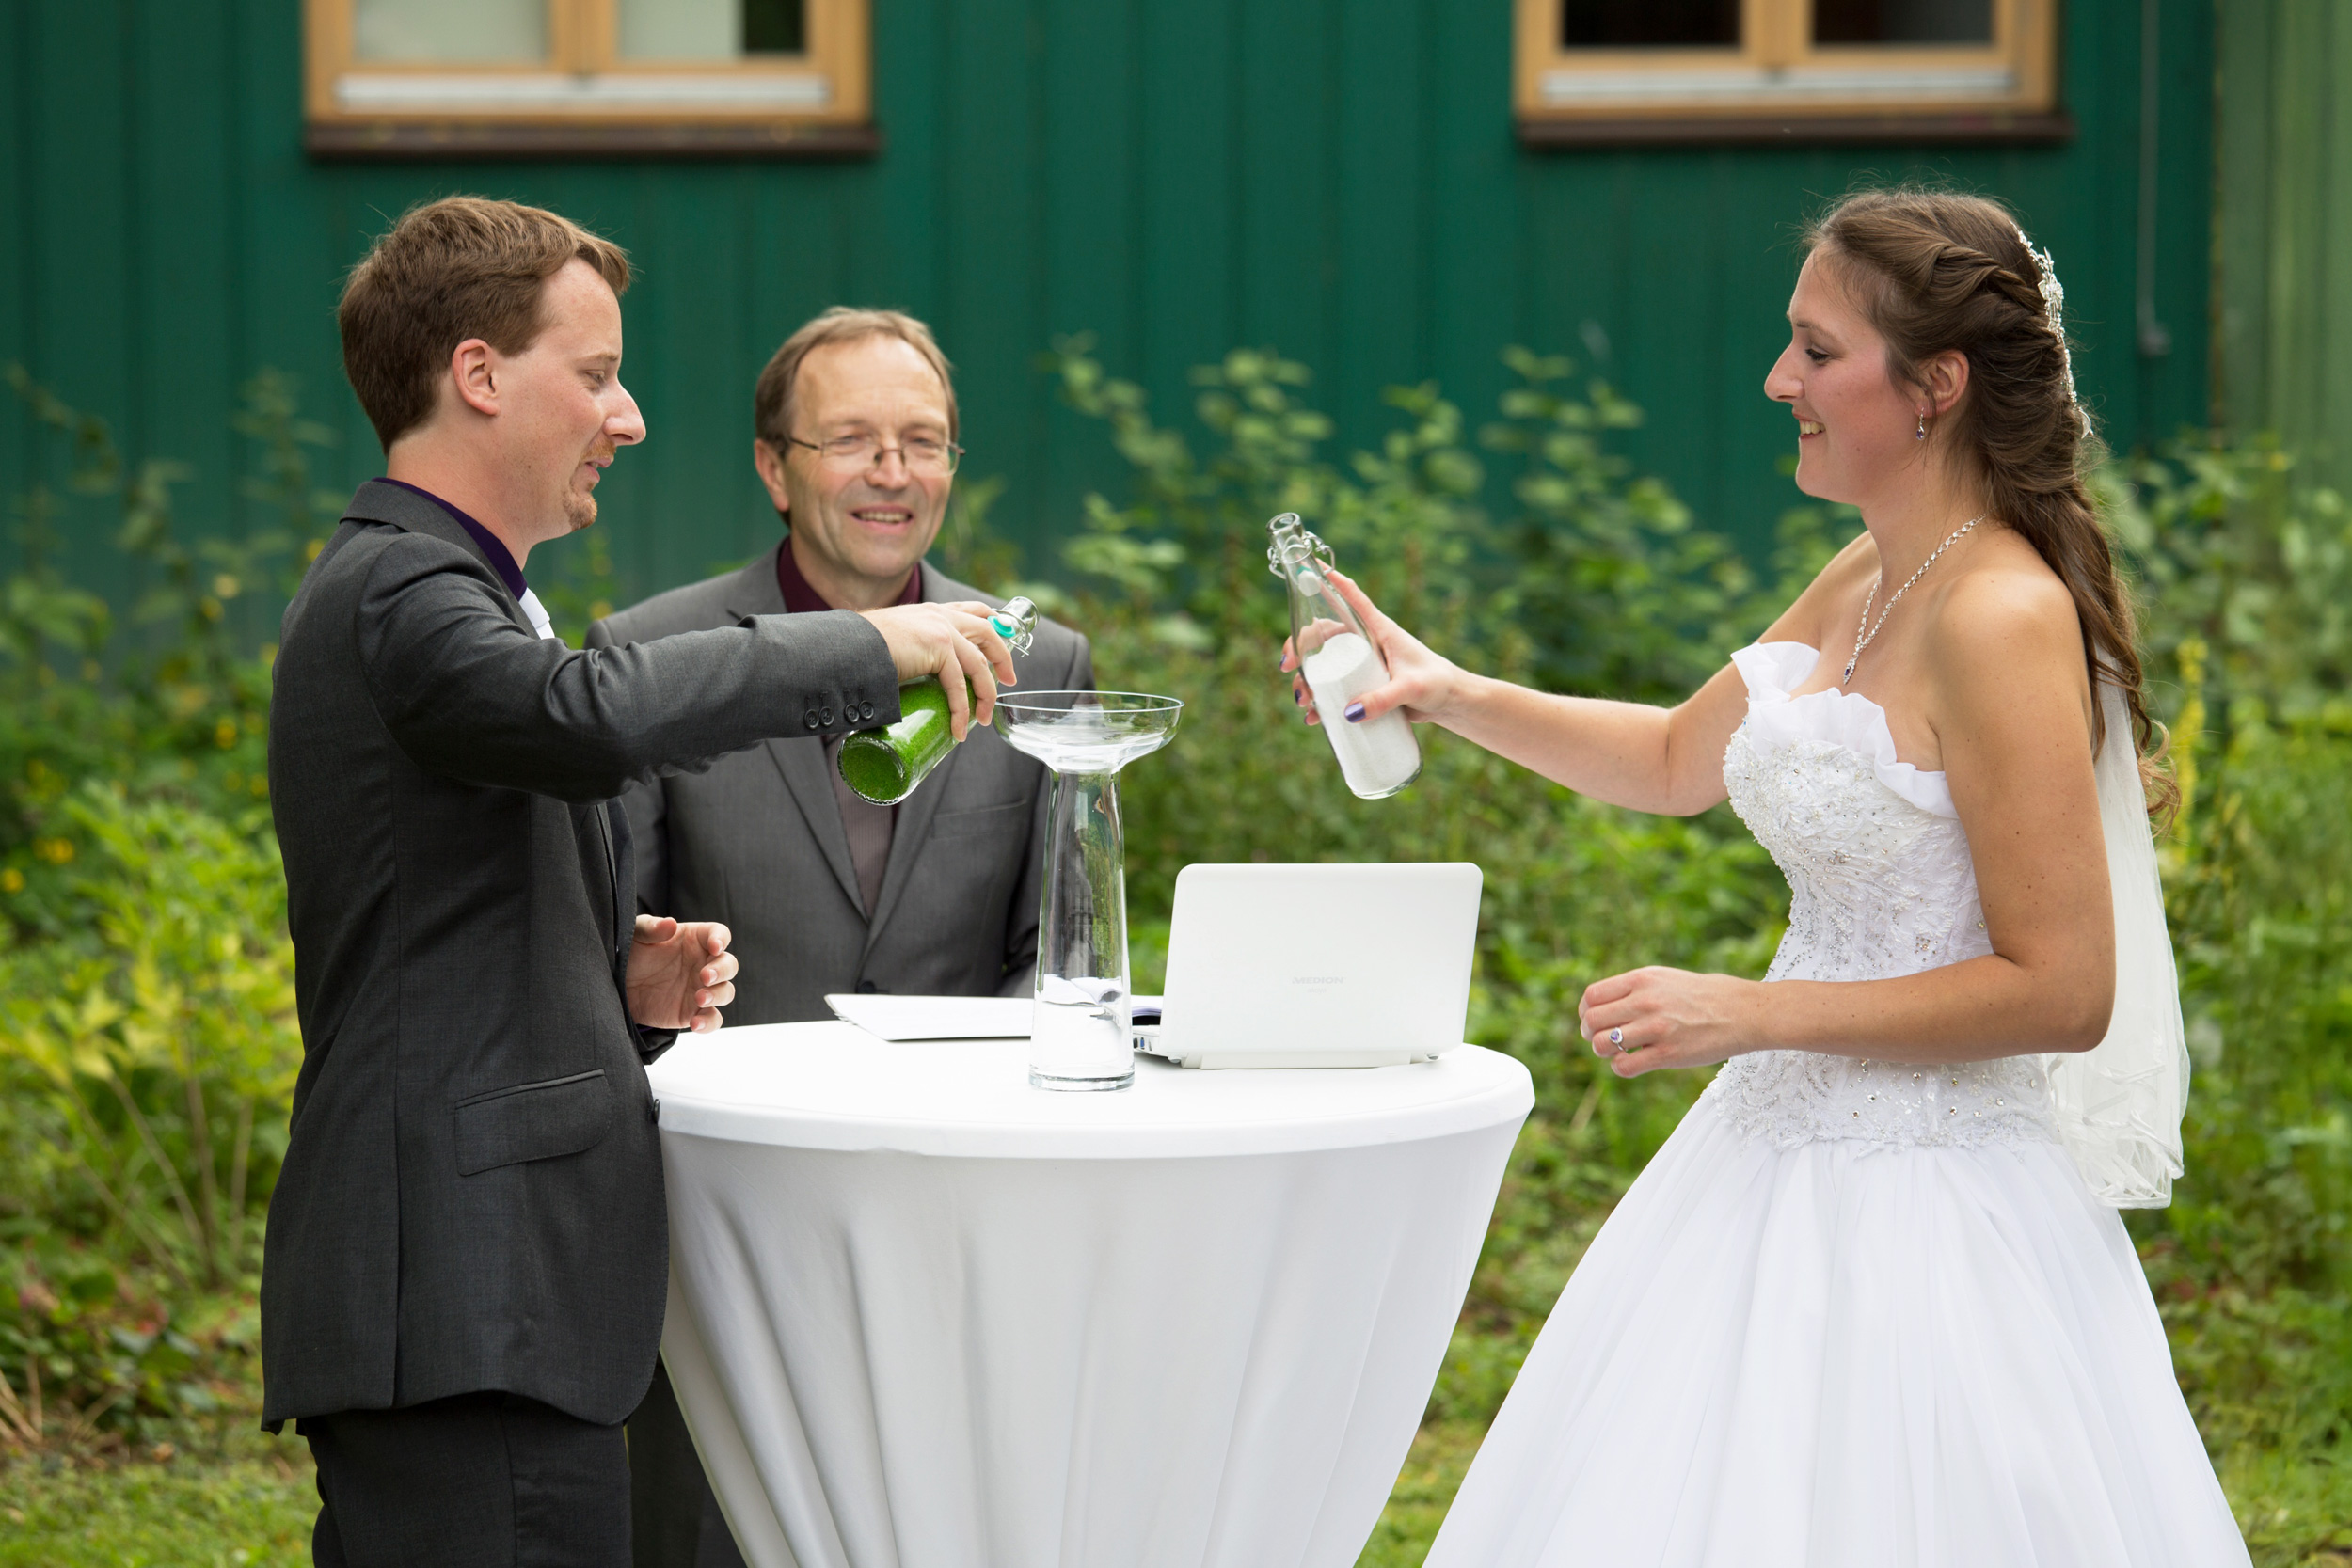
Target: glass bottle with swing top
x,y
1341,663
885,765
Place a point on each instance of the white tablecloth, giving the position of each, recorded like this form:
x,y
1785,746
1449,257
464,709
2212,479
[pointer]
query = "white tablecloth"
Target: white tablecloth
x,y
924,1316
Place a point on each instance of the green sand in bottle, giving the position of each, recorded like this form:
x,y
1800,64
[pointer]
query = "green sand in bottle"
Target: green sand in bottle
x,y
885,765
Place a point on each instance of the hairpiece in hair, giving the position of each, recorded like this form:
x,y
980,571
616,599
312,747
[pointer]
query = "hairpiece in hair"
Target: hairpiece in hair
x,y
2054,309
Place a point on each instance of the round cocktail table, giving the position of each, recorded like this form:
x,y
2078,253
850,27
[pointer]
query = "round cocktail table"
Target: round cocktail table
x,y
924,1316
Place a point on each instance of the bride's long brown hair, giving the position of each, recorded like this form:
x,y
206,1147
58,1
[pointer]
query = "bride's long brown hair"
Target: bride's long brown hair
x,y
1940,273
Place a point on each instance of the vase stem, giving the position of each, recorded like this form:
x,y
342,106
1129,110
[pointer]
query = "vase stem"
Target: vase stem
x,y
1081,1036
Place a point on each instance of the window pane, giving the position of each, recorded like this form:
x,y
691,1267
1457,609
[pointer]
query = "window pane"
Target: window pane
x,y
1650,24
1902,22
459,30
710,29
774,27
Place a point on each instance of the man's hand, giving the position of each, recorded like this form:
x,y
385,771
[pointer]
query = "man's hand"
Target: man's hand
x,y
955,643
679,975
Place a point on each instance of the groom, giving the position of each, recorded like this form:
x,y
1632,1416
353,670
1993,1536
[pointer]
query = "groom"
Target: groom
x,y
464,1276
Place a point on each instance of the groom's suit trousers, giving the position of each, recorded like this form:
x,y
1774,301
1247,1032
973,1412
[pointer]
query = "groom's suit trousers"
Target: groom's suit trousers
x,y
479,1480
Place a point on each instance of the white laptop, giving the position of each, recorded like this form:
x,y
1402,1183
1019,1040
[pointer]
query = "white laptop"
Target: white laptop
x,y
1286,966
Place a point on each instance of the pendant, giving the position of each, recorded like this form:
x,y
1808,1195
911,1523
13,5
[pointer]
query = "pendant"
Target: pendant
x,y
1848,675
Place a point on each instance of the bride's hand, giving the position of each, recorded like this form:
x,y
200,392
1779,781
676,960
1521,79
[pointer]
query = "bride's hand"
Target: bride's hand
x,y
1648,1018
1421,682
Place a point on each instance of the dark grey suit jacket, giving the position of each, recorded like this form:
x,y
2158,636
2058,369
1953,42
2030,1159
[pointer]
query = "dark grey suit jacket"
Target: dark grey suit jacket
x,y
471,1199
756,839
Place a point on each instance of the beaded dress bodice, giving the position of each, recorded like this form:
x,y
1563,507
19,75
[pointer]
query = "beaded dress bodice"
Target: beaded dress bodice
x,y
1880,885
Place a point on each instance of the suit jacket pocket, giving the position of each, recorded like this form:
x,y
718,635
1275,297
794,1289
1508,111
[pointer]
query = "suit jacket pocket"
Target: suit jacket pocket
x,y
1010,817
532,1121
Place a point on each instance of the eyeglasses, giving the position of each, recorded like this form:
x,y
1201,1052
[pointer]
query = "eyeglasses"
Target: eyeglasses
x,y
923,456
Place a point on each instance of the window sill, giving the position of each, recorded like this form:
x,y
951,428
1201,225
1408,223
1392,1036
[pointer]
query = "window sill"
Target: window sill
x,y
398,141
2013,127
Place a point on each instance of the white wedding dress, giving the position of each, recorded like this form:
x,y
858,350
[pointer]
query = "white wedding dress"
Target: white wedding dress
x,y
1855,1314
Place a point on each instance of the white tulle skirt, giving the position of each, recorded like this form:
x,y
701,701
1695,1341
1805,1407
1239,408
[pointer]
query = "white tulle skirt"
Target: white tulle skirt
x,y
1847,1356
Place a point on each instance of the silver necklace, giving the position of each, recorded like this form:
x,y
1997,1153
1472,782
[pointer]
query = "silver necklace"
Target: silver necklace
x,y
1864,633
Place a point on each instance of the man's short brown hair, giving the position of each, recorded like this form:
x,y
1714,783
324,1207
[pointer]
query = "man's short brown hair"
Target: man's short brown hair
x,y
771,399
458,268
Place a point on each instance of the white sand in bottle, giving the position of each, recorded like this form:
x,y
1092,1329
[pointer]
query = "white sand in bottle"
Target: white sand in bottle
x,y
1378,757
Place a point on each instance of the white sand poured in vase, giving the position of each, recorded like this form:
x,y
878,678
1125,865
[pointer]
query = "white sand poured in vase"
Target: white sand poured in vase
x,y
1080,1031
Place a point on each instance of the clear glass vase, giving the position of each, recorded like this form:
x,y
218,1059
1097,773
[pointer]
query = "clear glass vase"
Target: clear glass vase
x,y
1081,1035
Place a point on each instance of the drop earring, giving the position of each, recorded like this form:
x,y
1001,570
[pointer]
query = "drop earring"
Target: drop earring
x,y
1921,434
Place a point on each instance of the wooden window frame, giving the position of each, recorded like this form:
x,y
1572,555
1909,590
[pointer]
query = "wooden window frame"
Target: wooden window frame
x,y
583,98
1778,86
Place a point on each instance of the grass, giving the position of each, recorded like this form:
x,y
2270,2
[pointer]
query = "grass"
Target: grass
x,y
1433,1471
2295,1513
250,1505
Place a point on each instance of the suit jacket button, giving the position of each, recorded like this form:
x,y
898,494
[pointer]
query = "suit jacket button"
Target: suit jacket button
x,y
866,987
829,717
653,1111
865,710
811,719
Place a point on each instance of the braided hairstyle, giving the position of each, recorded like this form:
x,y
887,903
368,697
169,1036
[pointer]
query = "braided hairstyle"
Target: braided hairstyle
x,y
1936,273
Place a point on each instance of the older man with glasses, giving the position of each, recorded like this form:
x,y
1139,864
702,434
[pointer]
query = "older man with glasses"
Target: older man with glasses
x,y
855,426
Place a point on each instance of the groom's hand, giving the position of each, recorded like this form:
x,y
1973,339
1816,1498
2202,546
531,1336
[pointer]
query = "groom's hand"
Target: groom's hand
x,y
955,643
1648,1018
679,974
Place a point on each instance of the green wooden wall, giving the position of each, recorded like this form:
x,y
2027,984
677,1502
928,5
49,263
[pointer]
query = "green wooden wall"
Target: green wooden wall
x,y
1333,178
2284,228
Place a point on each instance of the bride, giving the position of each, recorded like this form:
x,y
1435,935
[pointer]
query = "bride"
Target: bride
x,y
1871,1303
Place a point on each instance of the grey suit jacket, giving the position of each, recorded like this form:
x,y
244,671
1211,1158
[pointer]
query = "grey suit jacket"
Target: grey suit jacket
x,y
471,1195
756,841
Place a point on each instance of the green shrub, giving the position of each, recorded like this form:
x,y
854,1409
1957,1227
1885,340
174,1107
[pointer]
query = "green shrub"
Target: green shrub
x,y
146,1035
146,1057
2246,580
172,700
162,1028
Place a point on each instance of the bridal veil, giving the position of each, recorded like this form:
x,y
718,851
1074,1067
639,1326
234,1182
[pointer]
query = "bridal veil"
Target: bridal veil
x,y
2119,1105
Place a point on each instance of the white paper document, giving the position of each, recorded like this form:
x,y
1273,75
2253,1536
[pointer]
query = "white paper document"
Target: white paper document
x,y
935,1018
